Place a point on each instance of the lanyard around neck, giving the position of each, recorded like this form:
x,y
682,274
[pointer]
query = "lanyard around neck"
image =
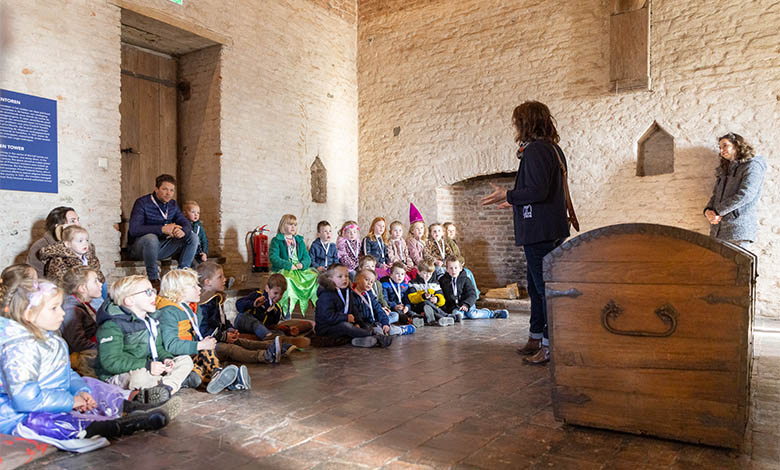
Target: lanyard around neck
x,y
352,250
397,290
164,214
151,326
191,317
440,246
346,301
455,287
291,246
367,302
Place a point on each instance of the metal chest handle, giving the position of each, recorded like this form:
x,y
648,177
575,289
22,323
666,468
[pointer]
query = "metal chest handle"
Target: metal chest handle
x,y
666,313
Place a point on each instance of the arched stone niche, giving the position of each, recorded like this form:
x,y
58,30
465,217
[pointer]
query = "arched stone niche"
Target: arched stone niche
x,y
319,181
655,152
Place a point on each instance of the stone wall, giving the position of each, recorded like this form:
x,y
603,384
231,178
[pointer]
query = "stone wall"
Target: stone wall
x,y
446,74
288,91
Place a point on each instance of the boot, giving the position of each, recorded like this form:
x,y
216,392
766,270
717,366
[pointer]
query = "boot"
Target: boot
x,y
541,357
148,421
531,347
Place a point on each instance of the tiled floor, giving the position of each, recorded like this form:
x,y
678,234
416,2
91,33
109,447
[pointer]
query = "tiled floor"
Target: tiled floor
x,y
456,397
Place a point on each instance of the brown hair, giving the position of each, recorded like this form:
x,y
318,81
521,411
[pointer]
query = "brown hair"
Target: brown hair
x,y
164,178
533,121
207,270
744,150
446,225
425,264
74,278
364,259
276,280
14,273
69,232
398,265
365,272
324,278
372,235
453,258
322,223
347,223
57,216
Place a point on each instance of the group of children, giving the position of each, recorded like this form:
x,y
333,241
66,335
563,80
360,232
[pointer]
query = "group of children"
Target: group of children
x,y
74,375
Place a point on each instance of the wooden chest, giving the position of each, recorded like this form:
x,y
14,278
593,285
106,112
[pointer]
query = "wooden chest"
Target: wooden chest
x,y
651,332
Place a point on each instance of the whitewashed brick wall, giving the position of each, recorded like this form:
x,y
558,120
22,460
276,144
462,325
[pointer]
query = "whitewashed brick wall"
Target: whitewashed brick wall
x,y
450,72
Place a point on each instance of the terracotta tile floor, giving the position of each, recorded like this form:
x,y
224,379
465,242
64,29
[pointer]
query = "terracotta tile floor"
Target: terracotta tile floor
x,y
456,397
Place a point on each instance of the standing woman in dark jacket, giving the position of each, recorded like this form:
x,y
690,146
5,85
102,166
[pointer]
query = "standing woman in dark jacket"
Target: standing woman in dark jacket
x,y
539,205
732,210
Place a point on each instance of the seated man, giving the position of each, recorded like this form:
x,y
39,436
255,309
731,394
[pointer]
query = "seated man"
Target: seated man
x,y
158,229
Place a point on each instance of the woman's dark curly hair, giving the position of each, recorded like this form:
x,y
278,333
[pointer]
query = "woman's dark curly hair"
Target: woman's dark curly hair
x,y
744,150
533,121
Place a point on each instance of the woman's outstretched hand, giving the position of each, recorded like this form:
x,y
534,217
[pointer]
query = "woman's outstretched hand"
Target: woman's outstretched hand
x,y
498,195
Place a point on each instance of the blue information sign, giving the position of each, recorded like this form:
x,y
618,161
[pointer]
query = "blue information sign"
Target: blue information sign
x,y
28,143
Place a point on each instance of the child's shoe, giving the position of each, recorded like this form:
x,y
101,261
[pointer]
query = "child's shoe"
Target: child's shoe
x,y
503,313
418,322
222,379
407,329
274,352
446,321
154,396
384,341
146,421
458,317
365,342
193,380
243,380
287,349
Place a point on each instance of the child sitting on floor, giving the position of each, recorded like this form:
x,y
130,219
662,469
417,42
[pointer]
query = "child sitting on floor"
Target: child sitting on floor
x,y
74,250
131,353
289,256
395,290
426,299
337,311
450,235
177,312
436,249
230,347
368,262
371,315
375,244
397,251
323,251
259,314
191,211
79,328
460,296
41,397
415,242
348,246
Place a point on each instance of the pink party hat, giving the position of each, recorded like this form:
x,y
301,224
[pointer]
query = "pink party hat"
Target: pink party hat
x,y
414,214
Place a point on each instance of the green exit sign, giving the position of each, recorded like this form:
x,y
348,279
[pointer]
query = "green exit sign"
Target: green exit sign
x,y
178,2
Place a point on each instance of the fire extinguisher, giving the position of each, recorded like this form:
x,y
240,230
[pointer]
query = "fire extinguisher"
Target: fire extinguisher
x,y
258,242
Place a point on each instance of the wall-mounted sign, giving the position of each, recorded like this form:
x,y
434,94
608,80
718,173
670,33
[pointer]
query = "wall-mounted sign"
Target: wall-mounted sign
x,y
28,143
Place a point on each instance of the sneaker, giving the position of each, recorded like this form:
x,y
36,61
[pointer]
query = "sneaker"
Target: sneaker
x,y
222,379
384,341
274,352
446,321
503,313
192,381
458,317
407,330
287,349
365,342
418,322
148,421
154,396
243,380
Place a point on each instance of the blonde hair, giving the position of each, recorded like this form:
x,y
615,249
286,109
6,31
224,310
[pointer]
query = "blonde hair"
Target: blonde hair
x,y
396,223
14,273
74,278
21,295
425,265
174,282
425,229
207,270
189,204
123,288
69,232
372,235
347,224
286,219
364,273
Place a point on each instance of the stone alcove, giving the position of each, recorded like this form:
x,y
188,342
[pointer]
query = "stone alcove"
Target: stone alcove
x,y
319,181
655,152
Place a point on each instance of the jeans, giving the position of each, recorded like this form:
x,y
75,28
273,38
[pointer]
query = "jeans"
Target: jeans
x,y
534,256
475,313
341,329
247,323
393,317
150,248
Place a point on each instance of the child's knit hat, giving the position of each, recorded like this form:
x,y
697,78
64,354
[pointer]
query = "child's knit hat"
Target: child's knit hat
x,y
414,214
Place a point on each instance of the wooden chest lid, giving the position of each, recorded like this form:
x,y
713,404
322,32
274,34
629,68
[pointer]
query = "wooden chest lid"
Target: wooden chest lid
x,y
649,254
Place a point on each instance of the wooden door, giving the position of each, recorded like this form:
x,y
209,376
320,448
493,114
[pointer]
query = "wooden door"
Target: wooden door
x,y
148,127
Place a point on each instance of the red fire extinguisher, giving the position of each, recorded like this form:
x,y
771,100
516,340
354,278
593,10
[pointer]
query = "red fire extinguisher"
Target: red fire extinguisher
x,y
258,242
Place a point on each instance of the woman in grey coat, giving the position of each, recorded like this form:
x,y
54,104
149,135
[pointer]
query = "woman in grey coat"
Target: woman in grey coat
x,y
733,205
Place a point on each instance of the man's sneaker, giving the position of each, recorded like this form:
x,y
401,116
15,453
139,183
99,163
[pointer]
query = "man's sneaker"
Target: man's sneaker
x,y
503,313
384,341
274,352
407,329
418,322
243,380
458,317
222,379
147,421
446,321
192,381
365,342
156,395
